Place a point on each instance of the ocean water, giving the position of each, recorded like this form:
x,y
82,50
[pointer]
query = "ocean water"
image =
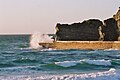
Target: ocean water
x,y
18,61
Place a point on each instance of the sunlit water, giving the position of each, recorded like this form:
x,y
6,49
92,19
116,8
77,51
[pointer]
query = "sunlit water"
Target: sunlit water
x,y
18,61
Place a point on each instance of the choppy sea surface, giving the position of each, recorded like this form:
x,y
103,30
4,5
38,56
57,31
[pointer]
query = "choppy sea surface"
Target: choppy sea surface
x,y
18,61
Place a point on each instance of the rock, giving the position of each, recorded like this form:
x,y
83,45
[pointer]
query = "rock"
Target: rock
x,y
110,30
90,30
117,18
85,31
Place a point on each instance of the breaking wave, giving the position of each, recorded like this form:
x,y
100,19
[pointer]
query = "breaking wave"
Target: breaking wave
x,y
37,38
111,74
74,63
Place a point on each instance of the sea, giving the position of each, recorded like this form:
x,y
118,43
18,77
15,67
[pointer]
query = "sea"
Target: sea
x,y
19,60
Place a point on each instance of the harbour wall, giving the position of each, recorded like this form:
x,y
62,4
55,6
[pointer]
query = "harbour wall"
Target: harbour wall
x,y
86,45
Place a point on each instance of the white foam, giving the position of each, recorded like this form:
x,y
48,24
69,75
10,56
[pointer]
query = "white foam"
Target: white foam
x,y
111,74
37,38
110,49
49,49
74,63
98,62
67,63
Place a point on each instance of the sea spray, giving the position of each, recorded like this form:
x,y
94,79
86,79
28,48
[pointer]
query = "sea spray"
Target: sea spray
x,y
37,38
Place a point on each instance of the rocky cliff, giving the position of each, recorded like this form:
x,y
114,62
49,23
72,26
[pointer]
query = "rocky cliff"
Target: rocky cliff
x,y
89,30
117,18
110,30
85,31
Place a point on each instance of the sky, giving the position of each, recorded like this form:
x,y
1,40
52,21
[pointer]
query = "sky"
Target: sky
x,y
30,16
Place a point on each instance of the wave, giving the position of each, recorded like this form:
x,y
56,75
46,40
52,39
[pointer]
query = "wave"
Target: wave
x,y
67,63
4,65
98,62
25,61
74,63
111,49
37,38
49,49
111,74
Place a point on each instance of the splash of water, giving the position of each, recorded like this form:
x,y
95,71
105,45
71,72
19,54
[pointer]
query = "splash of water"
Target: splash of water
x,y
37,38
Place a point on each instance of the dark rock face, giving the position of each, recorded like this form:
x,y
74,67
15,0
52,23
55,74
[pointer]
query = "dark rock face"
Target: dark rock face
x,y
110,30
85,31
117,18
91,30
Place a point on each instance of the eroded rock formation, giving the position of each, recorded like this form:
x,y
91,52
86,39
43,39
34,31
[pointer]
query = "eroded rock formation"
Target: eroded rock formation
x,y
85,31
90,30
117,18
110,30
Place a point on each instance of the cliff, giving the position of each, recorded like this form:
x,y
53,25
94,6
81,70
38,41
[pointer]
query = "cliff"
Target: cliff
x,y
85,31
89,30
90,34
117,18
110,30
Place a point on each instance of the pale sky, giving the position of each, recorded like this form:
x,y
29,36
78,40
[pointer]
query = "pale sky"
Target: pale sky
x,y
30,16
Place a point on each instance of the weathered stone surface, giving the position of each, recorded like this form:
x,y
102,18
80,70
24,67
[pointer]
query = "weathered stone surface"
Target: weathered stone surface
x,y
117,18
92,45
85,31
110,30
91,30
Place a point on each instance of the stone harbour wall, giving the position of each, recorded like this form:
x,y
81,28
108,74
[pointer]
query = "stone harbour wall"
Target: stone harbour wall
x,y
86,45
